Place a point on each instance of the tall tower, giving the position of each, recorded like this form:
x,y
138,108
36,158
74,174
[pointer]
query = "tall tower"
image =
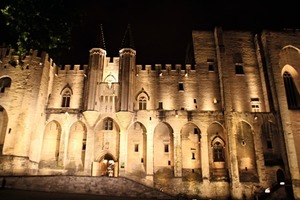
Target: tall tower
x,y
95,73
127,71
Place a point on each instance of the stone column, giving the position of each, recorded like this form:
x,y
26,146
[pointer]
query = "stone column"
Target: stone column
x,y
204,156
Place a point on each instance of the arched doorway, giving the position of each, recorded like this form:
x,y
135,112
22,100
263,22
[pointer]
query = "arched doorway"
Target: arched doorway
x,y
107,166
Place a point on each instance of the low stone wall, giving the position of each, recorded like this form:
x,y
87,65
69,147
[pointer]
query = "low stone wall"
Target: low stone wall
x,y
112,186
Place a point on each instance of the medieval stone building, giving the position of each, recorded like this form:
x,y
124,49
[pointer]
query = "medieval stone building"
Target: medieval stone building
x,y
224,126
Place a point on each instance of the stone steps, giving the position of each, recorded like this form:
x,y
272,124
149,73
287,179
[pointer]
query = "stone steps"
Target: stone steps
x,y
112,186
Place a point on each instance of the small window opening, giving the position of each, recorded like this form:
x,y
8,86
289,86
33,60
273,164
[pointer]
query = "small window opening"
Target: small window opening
x,y
193,156
180,87
239,69
160,105
166,148
210,67
136,148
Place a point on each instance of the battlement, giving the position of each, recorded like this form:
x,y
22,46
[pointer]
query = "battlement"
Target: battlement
x,y
34,59
32,54
73,68
161,68
112,60
155,67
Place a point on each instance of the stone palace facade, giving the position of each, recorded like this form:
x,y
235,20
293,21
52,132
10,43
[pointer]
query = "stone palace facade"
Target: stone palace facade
x,y
224,126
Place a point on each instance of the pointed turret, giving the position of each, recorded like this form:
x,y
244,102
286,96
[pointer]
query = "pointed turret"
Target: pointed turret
x,y
127,41
95,72
127,72
101,38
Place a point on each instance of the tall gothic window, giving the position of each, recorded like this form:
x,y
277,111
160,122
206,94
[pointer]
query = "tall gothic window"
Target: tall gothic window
x,y
218,151
292,94
142,103
66,97
108,124
4,83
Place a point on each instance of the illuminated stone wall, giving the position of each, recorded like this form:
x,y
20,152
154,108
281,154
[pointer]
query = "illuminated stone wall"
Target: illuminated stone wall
x,y
217,129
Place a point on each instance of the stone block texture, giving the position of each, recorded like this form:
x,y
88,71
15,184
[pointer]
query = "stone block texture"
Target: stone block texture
x,y
225,125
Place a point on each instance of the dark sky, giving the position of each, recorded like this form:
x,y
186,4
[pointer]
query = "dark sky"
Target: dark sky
x,y
162,29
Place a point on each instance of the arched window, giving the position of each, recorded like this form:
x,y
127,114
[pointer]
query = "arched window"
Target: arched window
x,y
4,83
66,97
142,103
218,150
108,124
292,94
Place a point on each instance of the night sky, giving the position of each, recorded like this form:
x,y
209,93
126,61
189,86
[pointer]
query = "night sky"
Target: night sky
x,y
162,29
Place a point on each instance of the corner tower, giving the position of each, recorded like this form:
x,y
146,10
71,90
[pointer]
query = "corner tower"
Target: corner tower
x,y
127,71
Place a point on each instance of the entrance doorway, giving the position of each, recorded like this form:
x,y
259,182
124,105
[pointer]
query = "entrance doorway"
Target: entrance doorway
x,y
105,167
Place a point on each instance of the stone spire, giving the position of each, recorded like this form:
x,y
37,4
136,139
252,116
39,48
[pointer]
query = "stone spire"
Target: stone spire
x,y
127,41
100,38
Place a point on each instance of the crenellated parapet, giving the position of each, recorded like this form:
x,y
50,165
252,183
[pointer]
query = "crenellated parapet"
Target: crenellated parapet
x,y
71,69
32,60
165,69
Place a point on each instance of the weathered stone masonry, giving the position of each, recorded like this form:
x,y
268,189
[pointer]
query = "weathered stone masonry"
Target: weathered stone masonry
x,y
226,125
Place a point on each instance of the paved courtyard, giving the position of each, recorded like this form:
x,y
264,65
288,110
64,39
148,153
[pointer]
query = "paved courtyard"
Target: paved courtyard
x,y
11,194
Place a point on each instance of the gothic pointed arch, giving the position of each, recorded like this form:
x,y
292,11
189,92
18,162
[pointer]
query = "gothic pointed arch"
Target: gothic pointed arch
x,y
245,149
50,153
163,150
67,87
66,94
107,163
217,151
142,91
191,151
218,146
136,149
110,79
291,89
106,140
76,145
142,98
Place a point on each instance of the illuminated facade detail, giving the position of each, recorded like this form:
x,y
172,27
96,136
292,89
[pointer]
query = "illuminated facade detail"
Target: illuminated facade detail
x,y
142,103
292,93
218,150
108,124
230,131
255,105
66,98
